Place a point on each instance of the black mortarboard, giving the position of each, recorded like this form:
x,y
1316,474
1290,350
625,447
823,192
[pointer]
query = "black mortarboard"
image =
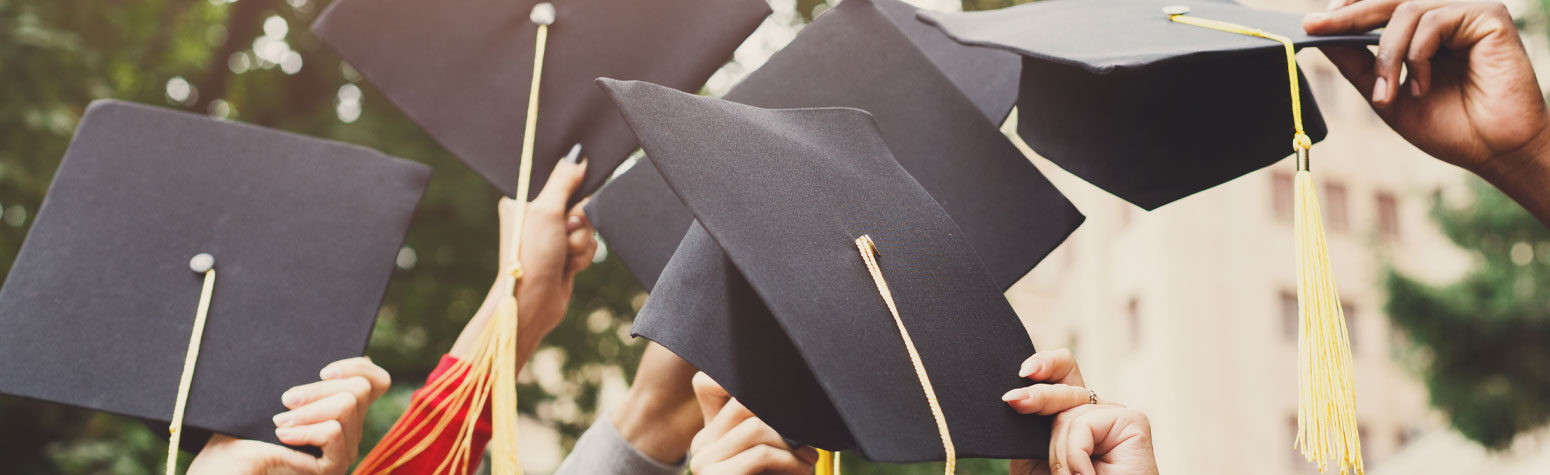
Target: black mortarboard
x,y
1143,107
98,310
872,55
462,69
786,193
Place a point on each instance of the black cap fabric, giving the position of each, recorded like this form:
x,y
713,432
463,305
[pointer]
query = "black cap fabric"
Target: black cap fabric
x,y
860,54
462,69
1146,108
98,309
785,192
988,76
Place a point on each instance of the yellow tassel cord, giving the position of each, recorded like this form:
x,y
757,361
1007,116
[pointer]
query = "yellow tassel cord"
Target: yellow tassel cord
x,y
489,376
187,379
828,463
869,255
1326,410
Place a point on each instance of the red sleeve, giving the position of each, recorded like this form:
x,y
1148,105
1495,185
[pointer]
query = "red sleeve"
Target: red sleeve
x,y
433,455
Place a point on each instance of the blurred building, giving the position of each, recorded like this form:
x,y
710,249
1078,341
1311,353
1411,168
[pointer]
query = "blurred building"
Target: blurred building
x,y
1189,312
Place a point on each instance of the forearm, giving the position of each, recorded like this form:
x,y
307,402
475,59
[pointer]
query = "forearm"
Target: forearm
x,y
466,342
530,328
1525,177
659,415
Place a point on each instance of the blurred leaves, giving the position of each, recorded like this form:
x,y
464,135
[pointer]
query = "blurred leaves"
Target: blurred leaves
x,y
1483,338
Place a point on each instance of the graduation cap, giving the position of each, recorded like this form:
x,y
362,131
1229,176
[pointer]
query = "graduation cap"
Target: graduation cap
x,y
115,289
830,233
873,55
1150,110
463,69
1192,94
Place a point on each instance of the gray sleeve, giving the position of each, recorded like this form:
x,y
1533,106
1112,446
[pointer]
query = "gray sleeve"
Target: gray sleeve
x,y
602,450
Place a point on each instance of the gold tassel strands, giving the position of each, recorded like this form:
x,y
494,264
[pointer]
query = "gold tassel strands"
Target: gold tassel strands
x,y
1326,402
828,463
869,254
203,264
489,377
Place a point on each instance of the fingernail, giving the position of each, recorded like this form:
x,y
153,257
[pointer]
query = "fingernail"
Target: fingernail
x,y
285,432
1012,395
574,156
290,398
328,373
1029,367
1380,91
1415,88
1316,17
1334,4
282,418
572,223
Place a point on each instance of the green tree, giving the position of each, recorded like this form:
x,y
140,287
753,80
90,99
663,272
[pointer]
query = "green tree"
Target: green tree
x,y
1482,339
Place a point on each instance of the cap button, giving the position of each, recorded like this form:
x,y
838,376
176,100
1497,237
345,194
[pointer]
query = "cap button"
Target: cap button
x,y
1175,10
201,263
543,14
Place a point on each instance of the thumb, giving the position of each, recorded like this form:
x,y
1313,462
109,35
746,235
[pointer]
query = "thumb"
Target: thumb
x,y
564,180
296,462
712,397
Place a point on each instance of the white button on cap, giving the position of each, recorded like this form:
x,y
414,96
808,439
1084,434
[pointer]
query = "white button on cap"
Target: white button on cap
x,y
201,263
543,14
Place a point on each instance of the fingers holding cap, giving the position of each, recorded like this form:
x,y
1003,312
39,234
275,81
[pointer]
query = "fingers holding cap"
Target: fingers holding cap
x,y
1047,399
363,367
1351,17
711,396
564,181
1057,366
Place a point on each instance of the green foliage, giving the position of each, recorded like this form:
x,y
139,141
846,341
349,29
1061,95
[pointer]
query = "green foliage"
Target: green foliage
x,y
1486,364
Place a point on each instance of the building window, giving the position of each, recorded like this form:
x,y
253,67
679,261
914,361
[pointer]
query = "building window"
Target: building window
x,y
1133,313
1281,184
1289,316
1329,83
1388,215
1409,434
1336,218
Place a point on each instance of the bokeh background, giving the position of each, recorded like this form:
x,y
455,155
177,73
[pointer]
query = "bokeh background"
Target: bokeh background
x,y
1182,312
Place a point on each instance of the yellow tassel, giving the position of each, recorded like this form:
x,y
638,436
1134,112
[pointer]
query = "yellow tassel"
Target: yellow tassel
x,y
204,264
828,463
1326,402
1326,405
489,377
503,443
